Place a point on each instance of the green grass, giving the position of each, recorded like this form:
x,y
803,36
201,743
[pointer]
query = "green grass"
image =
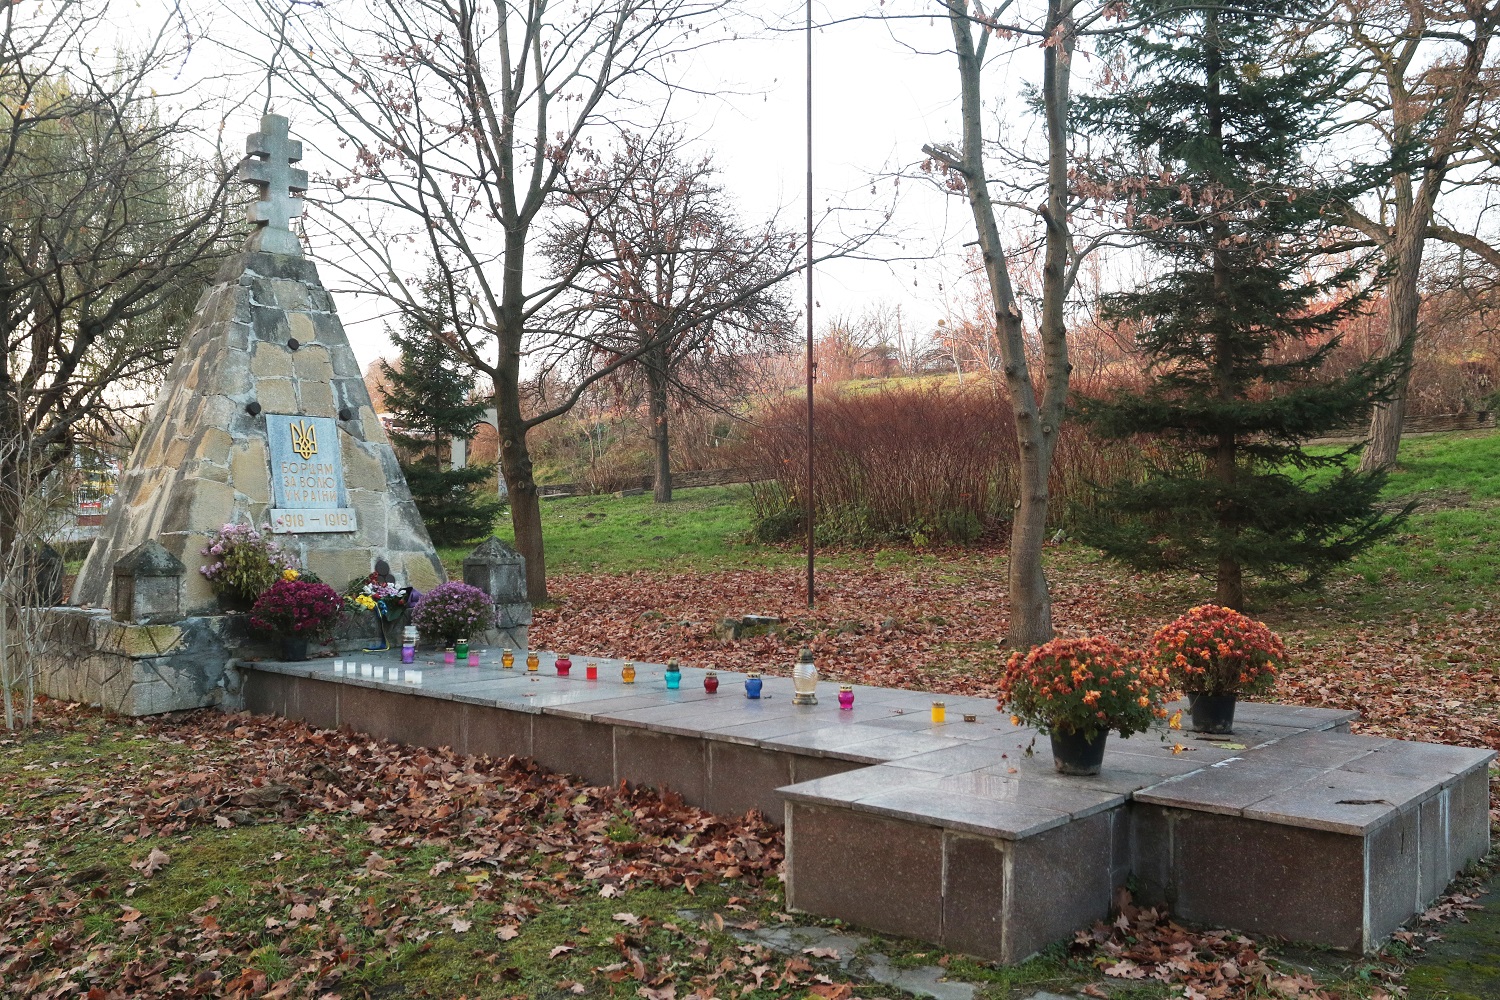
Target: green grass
x,y
1447,557
1448,554
701,529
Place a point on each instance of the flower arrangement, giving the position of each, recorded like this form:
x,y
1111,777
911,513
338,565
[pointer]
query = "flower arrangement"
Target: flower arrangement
x,y
370,593
245,562
453,611
297,609
1083,686
1216,651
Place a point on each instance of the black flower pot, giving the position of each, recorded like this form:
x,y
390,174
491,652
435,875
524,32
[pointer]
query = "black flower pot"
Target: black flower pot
x,y
293,648
1073,753
1212,713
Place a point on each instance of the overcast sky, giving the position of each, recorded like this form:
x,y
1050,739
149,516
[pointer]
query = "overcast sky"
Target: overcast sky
x,y
880,90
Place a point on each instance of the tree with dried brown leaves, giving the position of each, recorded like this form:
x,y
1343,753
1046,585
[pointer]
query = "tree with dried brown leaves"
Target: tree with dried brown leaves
x,y
666,272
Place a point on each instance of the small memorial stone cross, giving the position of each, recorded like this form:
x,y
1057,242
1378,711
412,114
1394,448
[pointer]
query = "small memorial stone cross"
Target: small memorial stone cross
x,y
270,155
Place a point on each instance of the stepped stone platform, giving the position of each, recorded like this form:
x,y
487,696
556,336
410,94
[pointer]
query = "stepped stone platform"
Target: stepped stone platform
x,y
962,833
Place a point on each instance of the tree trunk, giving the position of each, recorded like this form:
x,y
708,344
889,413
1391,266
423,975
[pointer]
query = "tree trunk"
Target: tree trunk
x,y
1405,300
515,458
525,506
661,452
1037,423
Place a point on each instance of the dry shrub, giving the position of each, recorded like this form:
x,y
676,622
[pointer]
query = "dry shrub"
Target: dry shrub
x,y
923,463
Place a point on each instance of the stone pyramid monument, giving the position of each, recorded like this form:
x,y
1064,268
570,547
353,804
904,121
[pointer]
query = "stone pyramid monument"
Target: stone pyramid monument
x,y
265,420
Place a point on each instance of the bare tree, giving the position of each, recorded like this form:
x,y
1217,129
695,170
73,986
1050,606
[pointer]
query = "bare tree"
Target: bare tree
x,y
1038,415
667,273
1427,84
467,121
107,229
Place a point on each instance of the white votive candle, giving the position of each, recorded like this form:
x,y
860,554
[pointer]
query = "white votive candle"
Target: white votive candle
x,y
367,669
414,677
338,666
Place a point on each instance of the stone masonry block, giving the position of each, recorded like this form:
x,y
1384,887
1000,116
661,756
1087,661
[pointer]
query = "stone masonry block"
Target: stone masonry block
x,y
662,761
311,364
317,399
250,470
271,361
302,327
881,873
276,395
362,469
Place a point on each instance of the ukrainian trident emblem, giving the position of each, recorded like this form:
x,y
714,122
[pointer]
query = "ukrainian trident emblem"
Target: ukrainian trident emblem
x,y
304,439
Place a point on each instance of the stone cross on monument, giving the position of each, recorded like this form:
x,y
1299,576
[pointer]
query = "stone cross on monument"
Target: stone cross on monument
x,y
271,153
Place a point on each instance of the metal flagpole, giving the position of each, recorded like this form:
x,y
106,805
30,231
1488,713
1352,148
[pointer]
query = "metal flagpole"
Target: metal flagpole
x,y
808,516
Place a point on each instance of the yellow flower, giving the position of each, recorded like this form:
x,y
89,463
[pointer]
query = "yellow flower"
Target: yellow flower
x,y
1176,722
365,601
289,574
1015,720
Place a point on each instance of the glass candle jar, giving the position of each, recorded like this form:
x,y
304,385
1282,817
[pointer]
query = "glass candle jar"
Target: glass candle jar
x,y
408,652
507,659
673,675
532,663
591,671
711,682
564,666
473,657
448,656
627,673
804,679
846,698
939,713
752,686
462,649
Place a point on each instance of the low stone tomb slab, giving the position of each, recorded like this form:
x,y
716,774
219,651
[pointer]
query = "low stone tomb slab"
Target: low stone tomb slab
x,y
961,832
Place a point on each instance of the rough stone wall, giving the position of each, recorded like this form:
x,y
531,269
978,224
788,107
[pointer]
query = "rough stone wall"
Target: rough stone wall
x,y
203,460
139,669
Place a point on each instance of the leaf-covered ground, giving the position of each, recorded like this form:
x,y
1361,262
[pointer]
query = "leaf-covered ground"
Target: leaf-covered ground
x,y
233,856
937,623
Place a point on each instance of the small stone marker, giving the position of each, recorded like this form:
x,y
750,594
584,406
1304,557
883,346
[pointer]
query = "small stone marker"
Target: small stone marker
x,y
500,571
148,585
279,182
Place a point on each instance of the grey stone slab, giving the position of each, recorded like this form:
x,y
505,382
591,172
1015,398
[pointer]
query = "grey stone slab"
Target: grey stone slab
x,y
1006,820
763,729
895,746
846,787
587,708
825,739
968,756
1055,792
1343,801
1227,788
1315,748
1296,716
1419,760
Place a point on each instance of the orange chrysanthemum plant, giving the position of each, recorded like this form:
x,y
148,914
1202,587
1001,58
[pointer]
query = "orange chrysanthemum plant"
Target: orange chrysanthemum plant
x,y
1084,686
1216,651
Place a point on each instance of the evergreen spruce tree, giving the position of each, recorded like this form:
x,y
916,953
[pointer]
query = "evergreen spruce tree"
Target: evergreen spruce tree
x,y
431,394
1220,119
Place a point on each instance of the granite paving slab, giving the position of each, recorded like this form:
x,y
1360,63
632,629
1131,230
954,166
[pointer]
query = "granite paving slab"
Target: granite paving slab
x,y
1227,787
1343,801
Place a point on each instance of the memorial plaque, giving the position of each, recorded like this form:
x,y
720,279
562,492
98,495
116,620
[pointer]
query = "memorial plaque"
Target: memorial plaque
x,y
307,475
